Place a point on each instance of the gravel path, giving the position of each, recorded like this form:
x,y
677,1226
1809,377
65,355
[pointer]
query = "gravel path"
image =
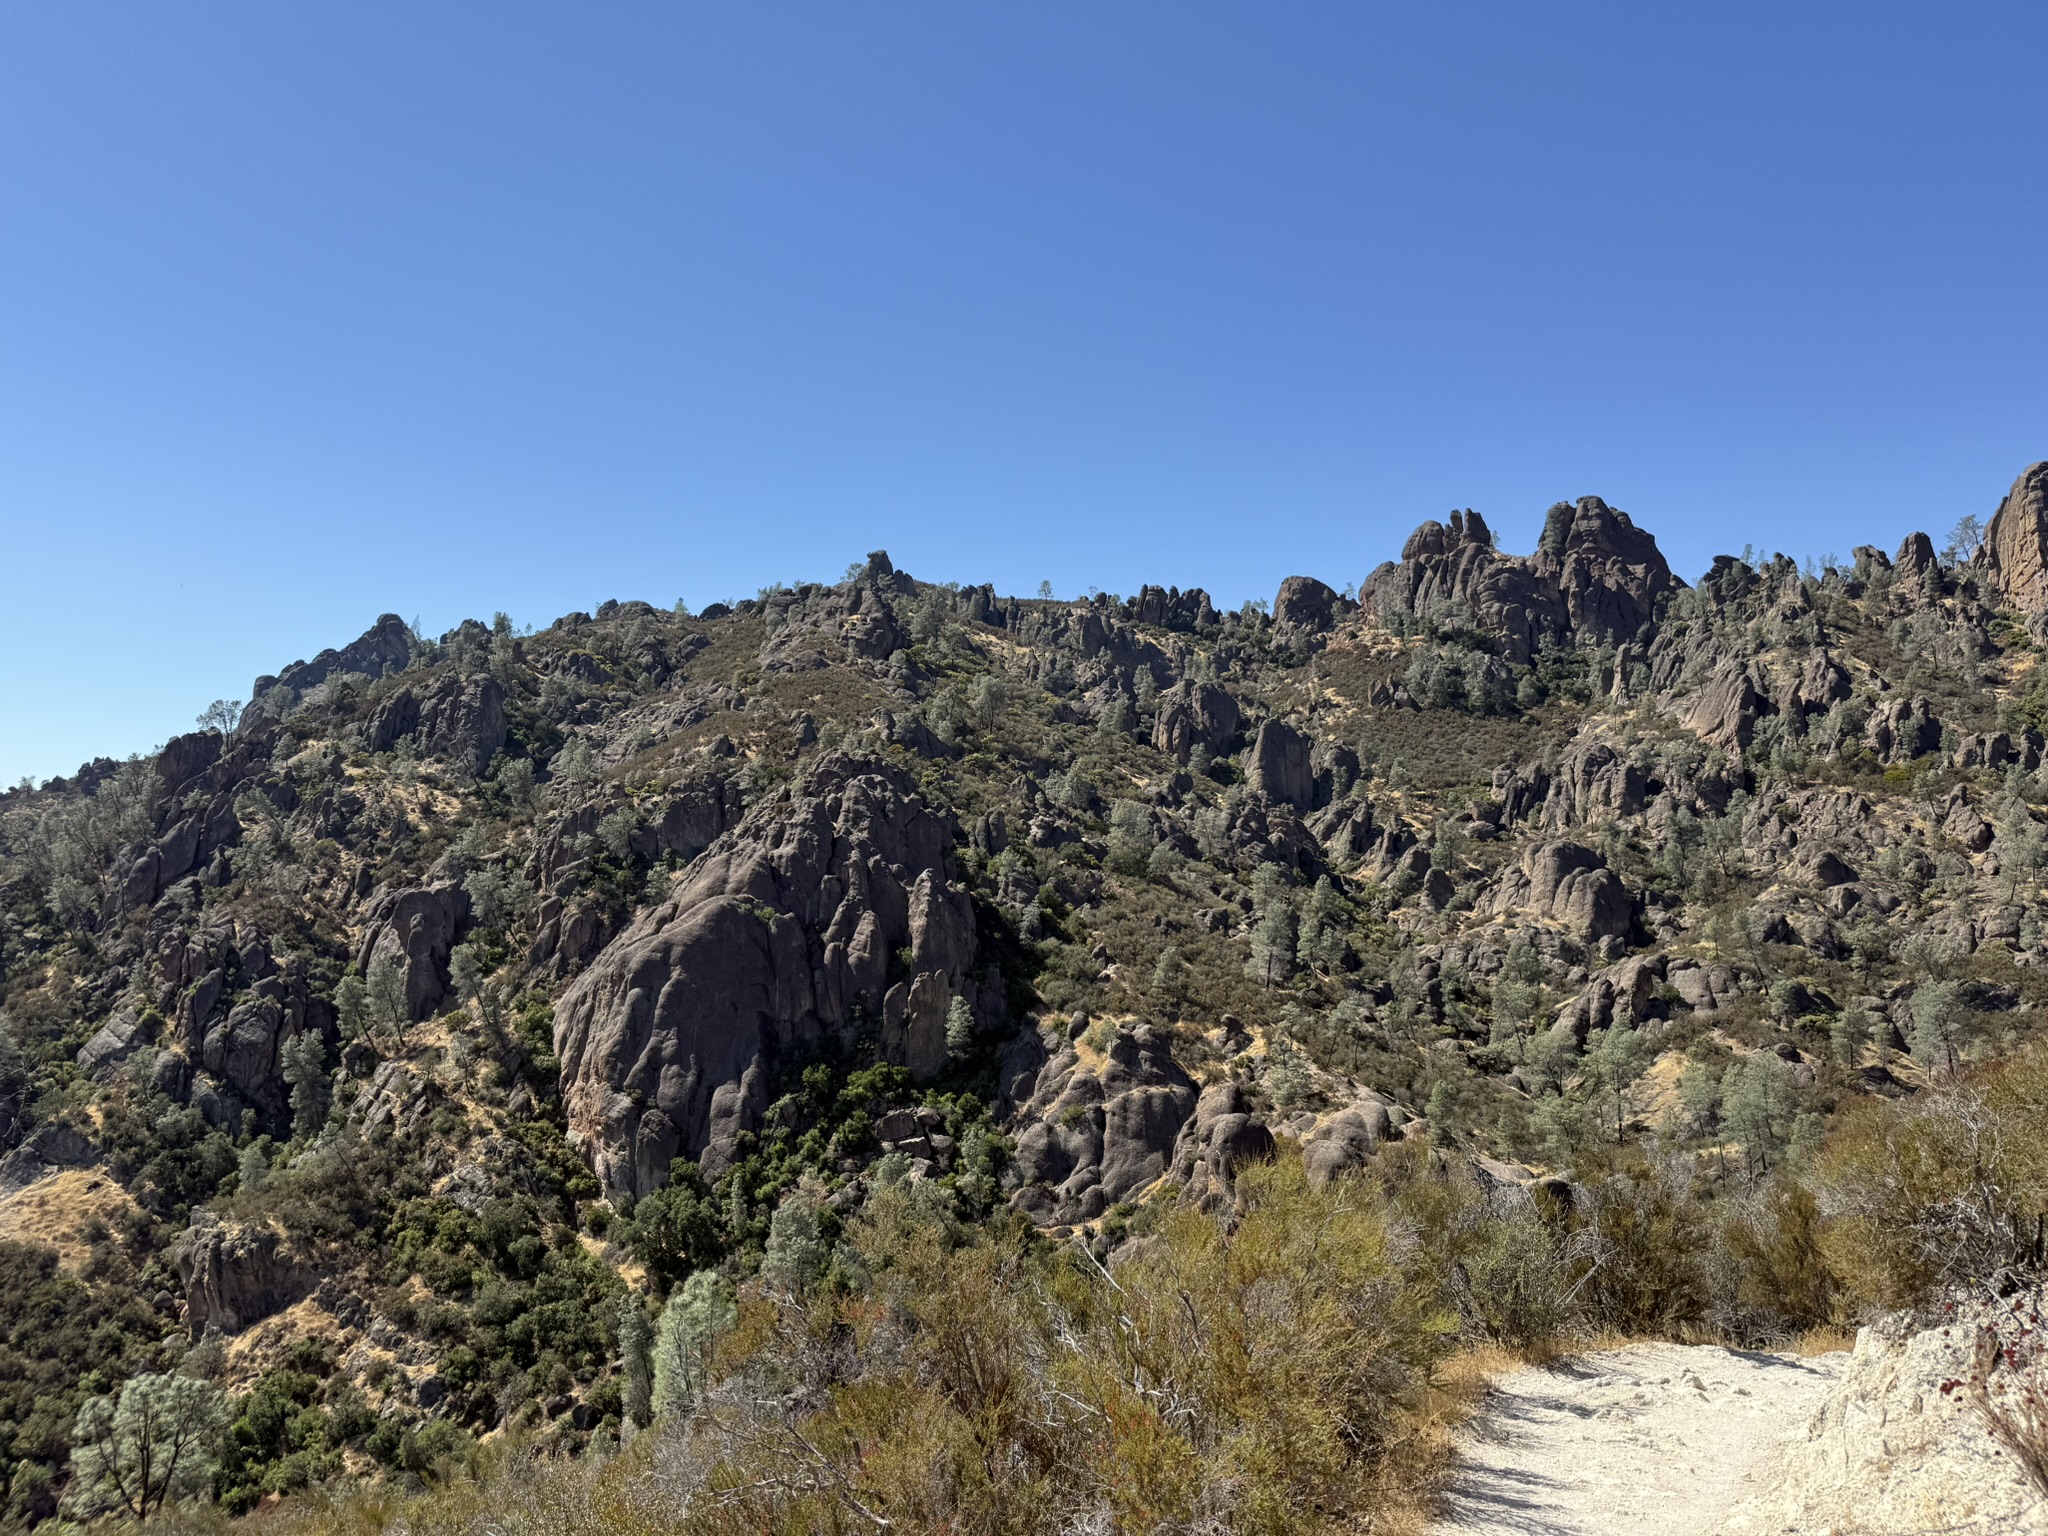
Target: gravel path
x,y
1651,1440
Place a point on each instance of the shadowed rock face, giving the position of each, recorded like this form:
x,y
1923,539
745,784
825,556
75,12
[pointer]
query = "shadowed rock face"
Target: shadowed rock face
x,y
1279,767
416,928
1191,713
1595,579
1304,603
782,930
235,1275
2015,552
1094,1135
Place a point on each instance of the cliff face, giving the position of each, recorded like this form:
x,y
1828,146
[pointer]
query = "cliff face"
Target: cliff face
x,y
787,928
2014,556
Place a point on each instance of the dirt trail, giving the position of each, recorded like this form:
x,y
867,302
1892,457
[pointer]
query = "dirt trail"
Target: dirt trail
x,y
1650,1440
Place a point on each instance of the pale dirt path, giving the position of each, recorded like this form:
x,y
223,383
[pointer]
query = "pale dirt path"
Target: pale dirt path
x,y
1650,1440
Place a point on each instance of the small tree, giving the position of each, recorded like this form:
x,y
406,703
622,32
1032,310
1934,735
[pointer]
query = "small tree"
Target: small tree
x,y
1940,1021
1170,976
795,1254
700,1311
304,1064
636,1362
1616,1060
385,996
1759,1106
1849,1034
352,1007
221,715
1699,1094
1273,932
959,1028
155,1443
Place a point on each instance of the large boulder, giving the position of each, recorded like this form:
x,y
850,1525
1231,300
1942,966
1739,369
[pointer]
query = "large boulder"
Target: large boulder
x,y
1725,711
1279,766
1192,714
1219,1138
1304,604
1100,1130
2015,550
789,926
1900,730
1569,884
236,1274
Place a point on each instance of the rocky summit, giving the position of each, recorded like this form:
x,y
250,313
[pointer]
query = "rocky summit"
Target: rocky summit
x,y
381,1061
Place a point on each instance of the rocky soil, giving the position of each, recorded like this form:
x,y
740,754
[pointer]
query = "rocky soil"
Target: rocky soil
x,y
1657,1439
1650,1440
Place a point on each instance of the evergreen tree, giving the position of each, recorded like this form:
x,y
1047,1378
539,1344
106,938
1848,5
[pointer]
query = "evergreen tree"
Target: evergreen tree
x,y
154,1443
699,1313
636,1362
959,1028
303,1061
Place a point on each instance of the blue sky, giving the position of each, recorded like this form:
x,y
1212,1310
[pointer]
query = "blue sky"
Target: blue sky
x,y
312,312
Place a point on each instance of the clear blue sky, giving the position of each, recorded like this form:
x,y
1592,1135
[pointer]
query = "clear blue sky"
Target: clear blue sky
x,y
313,311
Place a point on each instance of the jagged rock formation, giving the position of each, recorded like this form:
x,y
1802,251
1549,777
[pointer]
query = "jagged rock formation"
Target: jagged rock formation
x,y
2015,551
789,926
1595,579
1140,890
385,647
1098,1131
236,1275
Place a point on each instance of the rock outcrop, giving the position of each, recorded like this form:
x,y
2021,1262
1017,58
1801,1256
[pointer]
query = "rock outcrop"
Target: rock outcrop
x,y
1570,884
1194,714
1218,1139
1594,580
235,1274
2014,555
1094,1133
415,928
1279,768
1896,1448
385,646
460,720
790,925
1305,604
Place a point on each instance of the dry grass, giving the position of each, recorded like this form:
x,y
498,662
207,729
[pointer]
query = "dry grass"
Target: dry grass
x,y
1828,1339
62,1210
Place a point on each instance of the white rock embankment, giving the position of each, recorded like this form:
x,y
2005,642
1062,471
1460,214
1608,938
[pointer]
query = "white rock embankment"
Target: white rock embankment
x,y
1650,1440
1671,1440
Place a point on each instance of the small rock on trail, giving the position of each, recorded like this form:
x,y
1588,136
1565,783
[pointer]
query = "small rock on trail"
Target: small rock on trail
x,y
1656,1439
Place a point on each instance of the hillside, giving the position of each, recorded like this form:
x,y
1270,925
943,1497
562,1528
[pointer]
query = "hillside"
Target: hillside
x,y
379,1051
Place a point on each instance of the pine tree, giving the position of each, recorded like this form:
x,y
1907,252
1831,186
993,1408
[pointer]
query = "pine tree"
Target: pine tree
x,y
699,1312
636,1362
959,1028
